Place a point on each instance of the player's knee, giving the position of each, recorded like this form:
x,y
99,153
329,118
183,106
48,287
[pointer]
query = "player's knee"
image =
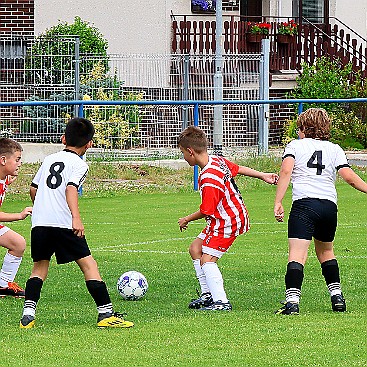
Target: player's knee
x,y
19,247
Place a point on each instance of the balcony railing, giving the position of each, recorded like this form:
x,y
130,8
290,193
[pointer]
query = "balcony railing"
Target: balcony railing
x,y
192,36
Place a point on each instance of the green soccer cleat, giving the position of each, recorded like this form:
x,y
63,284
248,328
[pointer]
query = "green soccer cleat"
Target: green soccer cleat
x,y
12,290
288,308
27,322
113,320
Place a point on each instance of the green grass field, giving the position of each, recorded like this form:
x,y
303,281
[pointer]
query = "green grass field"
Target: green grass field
x,y
139,231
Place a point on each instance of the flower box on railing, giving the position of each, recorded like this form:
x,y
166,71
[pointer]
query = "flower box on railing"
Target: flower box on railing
x,y
285,38
255,37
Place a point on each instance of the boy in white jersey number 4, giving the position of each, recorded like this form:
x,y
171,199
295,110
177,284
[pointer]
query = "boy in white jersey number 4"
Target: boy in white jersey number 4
x,y
311,162
224,211
57,227
10,161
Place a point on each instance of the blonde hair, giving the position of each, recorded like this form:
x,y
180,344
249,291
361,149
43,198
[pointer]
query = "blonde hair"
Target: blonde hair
x,y
315,123
194,138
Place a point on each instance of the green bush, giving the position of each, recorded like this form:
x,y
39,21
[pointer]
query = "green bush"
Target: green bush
x,y
347,130
327,80
116,127
51,57
324,80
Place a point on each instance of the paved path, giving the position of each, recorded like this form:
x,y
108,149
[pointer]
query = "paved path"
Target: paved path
x,y
357,158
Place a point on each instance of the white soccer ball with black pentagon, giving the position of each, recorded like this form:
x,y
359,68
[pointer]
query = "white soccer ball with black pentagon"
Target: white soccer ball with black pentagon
x,y
132,285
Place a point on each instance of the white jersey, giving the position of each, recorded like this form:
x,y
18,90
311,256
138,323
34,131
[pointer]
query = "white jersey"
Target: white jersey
x,y
57,171
315,166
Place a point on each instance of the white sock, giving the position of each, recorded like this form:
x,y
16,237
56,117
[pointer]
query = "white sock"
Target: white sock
x,y
292,295
9,270
214,280
201,276
334,289
105,308
29,308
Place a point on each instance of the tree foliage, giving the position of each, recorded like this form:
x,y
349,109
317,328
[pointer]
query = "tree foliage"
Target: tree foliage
x,y
52,56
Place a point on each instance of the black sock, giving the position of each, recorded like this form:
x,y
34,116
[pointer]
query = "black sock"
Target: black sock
x,y
293,281
330,271
32,295
33,289
99,292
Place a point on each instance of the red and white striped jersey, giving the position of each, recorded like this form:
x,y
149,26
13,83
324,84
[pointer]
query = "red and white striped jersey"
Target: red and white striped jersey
x,y
221,201
3,187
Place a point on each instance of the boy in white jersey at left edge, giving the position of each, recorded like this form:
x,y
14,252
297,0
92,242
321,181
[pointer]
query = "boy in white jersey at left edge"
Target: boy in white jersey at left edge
x,y
10,161
224,211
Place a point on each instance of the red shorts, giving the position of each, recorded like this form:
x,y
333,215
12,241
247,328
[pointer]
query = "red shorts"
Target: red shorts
x,y
215,245
3,229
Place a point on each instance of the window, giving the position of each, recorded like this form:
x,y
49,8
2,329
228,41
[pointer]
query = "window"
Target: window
x,y
313,10
208,6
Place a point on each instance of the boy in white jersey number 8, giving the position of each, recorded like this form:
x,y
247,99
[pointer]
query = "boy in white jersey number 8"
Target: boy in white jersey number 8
x,y
311,162
57,227
225,213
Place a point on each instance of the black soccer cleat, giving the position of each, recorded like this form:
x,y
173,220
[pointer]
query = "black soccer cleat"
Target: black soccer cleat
x,y
288,308
204,300
218,306
338,303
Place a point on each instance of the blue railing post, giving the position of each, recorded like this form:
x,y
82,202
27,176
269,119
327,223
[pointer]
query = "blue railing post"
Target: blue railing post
x,y
81,114
81,110
300,108
196,168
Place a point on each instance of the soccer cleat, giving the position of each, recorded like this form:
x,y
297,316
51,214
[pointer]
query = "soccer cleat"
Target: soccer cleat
x,y
12,290
27,322
217,306
338,303
113,320
204,300
288,308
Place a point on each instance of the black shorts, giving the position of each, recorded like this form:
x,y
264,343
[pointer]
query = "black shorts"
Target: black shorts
x,y
67,247
315,218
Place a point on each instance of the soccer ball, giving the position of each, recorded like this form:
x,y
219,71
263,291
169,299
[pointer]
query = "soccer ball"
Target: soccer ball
x,y
132,285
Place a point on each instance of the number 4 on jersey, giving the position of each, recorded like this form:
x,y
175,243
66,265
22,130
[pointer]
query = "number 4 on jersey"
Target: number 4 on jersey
x,y
316,162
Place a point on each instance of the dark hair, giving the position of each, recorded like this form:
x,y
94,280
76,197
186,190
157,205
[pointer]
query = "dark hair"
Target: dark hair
x,y
194,138
315,123
9,146
78,132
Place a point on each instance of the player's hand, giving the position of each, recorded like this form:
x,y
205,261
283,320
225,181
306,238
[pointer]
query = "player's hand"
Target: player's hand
x,y
271,178
25,212
279,212
78,227
183,223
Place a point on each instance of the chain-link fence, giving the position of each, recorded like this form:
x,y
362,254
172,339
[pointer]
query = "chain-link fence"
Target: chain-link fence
x,y
32,71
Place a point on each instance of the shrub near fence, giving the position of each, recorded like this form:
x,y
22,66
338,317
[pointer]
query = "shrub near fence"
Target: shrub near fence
x,y
169,149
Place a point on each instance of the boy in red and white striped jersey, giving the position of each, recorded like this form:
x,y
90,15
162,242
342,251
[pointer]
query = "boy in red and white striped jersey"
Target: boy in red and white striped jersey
x,y
222,207
10,162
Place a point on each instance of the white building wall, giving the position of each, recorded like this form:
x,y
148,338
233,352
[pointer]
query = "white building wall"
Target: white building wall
x,y
130,26
144,27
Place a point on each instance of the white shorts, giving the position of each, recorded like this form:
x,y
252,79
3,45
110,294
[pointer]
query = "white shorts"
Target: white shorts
x,y
3,229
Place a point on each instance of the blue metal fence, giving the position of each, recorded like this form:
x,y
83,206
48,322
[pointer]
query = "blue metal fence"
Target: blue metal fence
x,y
195,103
